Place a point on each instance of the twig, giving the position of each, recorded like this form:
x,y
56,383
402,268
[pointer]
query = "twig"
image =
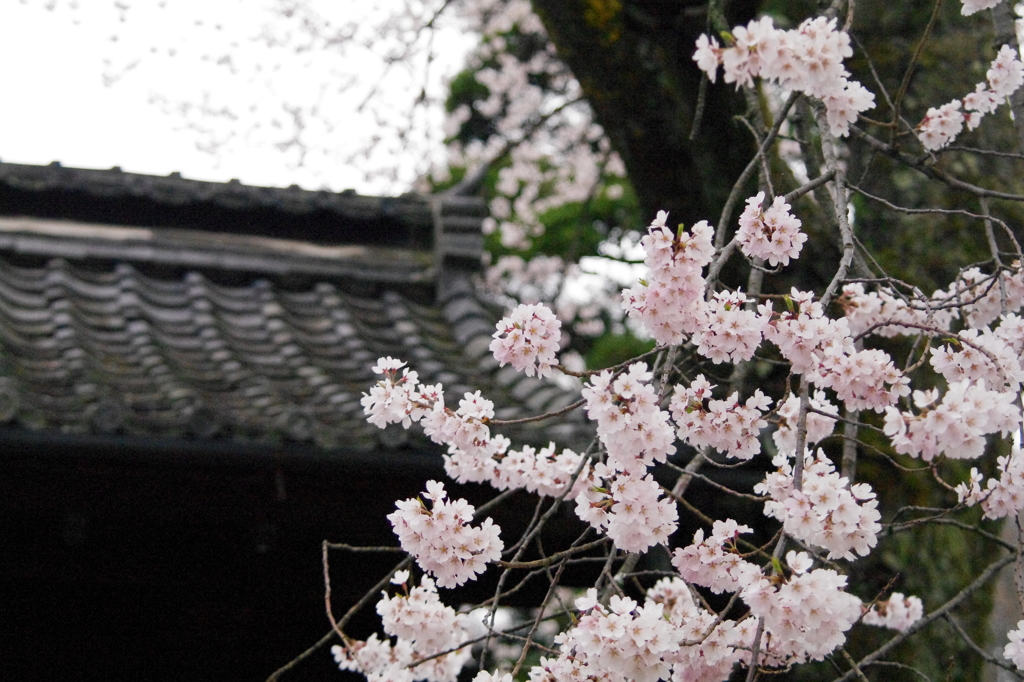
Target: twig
x,y
737,188
914,59
989,658
353,548
343,621
839,201
853,664
952,603
540,563
809,186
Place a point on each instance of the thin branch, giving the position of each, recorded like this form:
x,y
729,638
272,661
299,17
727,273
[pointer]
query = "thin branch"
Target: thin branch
x,y
540,563
988,658
952,603
737,188
921,165
370,594
353,548
841,206
914,59
809,186
547,415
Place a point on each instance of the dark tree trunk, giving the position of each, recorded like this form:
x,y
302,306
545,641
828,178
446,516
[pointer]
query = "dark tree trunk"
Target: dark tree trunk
x,y
634,61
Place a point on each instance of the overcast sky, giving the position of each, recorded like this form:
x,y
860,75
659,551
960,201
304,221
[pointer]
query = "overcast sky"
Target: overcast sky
x,y
193,86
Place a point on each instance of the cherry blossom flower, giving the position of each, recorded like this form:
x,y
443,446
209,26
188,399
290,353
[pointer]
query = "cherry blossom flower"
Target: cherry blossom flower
x,y
773,235
1006,74
807,59
422,627
629,508
441,538
818,425
731,332
725,425
670,303
824,512
957,426
1002,496
626,641
632,427
941,125
1014,651
898,612
528,339
884,313
392,400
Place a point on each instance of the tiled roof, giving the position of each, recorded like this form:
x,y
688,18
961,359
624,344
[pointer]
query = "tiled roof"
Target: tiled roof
x,y
164,332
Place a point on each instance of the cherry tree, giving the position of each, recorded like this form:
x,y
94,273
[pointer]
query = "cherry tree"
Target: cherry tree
x,y
809,381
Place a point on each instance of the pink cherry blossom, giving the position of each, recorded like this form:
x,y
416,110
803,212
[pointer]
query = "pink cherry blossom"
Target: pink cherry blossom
x,y
441,538
528,339
773,235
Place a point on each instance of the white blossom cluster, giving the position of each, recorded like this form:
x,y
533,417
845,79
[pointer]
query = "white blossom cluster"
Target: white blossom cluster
x,y
986,356
633,428
957,426
668,637
670,304
544,471
566,667
887,315
442,539
1003,496
898,612
1014,650
805,332
465,428
714,562
808,615
381,661
824,349
709,646
808,59
393,399
724,425
971,6
863,379
629,508
942,124
528,339
805,616
730,332
422,627
826,512
771,234
420,618
540,471
819,426
626,641
984,297
402,400
474,454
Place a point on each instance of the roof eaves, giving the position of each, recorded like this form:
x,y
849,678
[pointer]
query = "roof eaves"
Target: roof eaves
x,y
202,250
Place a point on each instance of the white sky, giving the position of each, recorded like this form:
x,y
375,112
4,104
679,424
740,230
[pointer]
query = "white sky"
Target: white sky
x,y
102,83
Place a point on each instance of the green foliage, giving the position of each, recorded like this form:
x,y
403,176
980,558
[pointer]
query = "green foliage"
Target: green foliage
x,y
577,229
612,349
